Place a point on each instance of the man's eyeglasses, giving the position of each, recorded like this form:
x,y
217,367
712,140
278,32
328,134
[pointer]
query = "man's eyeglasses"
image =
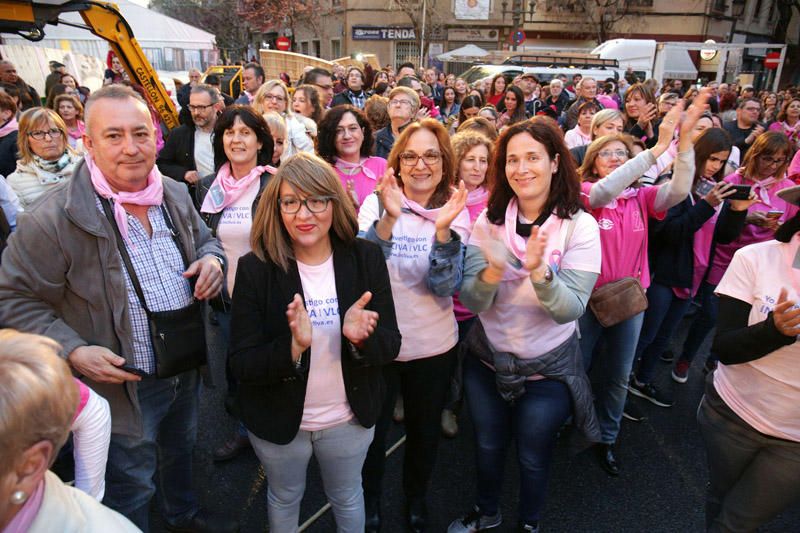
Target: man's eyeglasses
x,y
41,134
315,204
397,102
410,159
199,107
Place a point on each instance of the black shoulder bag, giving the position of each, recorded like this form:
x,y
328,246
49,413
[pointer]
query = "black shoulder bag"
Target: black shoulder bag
x,y
178,336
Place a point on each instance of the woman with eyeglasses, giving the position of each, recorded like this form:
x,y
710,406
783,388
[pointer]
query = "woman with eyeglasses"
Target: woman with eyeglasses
x,y
764,171
274,96
313,323
45,157
345,141
532,260
611,193
788,121
421,224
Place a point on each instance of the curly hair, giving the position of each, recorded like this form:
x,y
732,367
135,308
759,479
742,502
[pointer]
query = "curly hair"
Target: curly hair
x,y
326,133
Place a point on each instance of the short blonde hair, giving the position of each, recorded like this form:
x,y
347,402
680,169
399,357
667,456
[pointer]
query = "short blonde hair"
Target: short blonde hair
x,y
603,116
32,119
586,172
275,123
408,91
307,174
38,398
261,95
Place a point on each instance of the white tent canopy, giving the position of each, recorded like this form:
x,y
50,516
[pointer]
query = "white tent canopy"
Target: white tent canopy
x,y
468,51
159,36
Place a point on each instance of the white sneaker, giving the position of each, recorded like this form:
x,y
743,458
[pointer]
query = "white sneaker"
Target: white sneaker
x,y
474,521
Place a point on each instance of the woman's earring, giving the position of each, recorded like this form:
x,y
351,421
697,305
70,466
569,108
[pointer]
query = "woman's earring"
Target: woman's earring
x,y
19,497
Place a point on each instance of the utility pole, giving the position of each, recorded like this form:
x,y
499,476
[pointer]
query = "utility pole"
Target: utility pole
x,y
422,36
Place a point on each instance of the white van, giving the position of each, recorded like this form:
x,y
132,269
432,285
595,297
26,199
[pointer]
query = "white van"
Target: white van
x,y
543,74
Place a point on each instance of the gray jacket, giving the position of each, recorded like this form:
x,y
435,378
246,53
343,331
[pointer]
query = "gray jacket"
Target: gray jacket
x,y
563,363
61,276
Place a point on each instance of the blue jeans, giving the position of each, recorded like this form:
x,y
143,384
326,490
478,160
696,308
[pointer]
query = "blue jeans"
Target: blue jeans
x,y
704,322
161,458
533,420
615,364
663,316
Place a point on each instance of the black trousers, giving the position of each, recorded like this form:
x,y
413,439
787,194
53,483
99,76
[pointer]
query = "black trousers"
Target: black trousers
x,y
424,384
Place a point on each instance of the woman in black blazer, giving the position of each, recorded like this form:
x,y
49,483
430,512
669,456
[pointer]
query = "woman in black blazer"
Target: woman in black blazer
x,y
313,321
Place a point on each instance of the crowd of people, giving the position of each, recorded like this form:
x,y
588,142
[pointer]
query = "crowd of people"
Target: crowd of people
x,y
378,245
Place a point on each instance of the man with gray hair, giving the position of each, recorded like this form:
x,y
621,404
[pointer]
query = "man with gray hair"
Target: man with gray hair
x,y
558,96
94,266
188,154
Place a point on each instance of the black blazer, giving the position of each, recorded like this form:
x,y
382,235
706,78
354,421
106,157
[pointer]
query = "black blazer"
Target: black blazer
x,y
272,389
177,156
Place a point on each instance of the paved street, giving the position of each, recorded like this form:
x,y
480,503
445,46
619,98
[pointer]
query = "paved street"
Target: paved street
x,y
660,490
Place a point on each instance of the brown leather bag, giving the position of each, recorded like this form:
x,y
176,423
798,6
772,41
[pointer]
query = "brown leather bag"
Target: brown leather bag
x,y
618,301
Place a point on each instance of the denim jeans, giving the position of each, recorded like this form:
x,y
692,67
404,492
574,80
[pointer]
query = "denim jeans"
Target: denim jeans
x,y
161,458
663,316
455,396
424,384
752,476
224,321
340,452
703,323
533,420
614,365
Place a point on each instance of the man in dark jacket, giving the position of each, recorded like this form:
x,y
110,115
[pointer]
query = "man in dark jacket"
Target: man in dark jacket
x,y
354,94
28,97
188,154
403,107
183,95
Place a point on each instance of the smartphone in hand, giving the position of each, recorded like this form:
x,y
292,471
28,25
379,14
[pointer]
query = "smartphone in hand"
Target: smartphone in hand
x,y
742,192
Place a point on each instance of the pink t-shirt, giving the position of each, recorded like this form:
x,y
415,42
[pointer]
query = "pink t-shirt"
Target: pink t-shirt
x,y
426,321
751,233
623,233
364,177
326,402
575,137
765,393
703,239
233,230
516,322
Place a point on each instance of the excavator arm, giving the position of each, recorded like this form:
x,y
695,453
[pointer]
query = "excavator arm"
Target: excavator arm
x,y
103,19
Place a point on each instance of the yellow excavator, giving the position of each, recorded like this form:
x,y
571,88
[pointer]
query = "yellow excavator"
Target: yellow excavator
x,y
28,19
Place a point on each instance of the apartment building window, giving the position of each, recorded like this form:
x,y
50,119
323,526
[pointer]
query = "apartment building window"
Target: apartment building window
x,y
316,46
336,48
640,3
304,48
406,51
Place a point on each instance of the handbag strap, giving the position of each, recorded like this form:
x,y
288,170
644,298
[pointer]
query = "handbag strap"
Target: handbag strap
x,y
126,258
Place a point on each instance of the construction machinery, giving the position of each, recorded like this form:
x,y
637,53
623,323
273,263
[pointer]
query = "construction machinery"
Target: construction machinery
x,y
103,19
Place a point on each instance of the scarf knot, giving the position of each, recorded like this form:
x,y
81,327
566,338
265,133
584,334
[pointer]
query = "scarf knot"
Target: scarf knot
x,y
226,189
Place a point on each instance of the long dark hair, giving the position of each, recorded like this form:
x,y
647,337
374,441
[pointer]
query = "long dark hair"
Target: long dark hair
x,y
786,231
709,142
565,186
469,101
252,120
519,111
326,132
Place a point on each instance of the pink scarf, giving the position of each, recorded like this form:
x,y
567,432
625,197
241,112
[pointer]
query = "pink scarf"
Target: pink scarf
x,y
476,201
9,126
226,189
761,188
627,194
352,169
460,224
152,194
77,133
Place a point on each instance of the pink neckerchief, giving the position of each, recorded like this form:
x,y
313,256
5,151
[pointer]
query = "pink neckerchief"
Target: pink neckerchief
x,y
353,168
25,517
152,194
793,132
226,189
9,126
629,192
77,133
762,187
478,196
459,224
